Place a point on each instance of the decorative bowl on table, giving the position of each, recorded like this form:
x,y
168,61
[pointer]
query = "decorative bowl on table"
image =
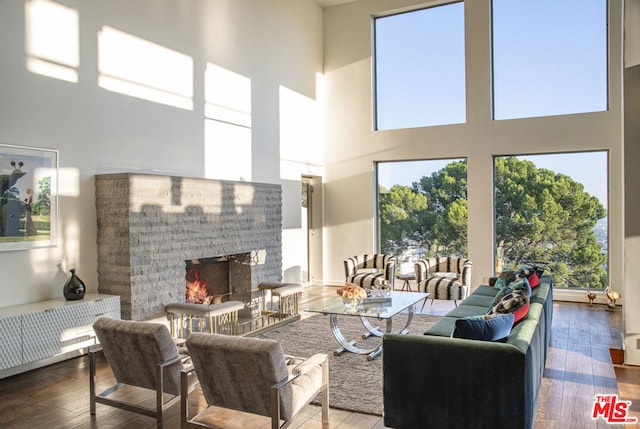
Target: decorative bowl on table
x,y
352,295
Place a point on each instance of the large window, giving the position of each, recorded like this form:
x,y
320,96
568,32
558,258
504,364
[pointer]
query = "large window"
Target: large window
x,y
422,209
553,208
419,68
549,57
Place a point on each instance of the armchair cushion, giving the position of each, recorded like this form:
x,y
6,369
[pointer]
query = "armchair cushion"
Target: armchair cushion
x,y
444,278
308,381
444,288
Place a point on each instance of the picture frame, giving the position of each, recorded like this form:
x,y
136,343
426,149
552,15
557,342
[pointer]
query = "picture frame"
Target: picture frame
x,y
28,197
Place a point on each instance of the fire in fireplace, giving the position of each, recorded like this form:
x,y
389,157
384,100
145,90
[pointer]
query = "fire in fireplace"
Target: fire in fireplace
x,y
207,280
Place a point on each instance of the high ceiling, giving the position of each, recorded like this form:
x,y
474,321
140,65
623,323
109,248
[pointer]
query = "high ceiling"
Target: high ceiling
x,y
328,3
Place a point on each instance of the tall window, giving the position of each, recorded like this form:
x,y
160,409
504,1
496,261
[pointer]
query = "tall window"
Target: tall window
x,y
553,208
422,209
420,68
227,124
549,57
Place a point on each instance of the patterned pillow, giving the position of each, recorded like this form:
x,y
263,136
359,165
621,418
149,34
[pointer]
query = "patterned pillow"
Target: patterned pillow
x,y
516,303
534,280
523,284
487,328
505,290
530,273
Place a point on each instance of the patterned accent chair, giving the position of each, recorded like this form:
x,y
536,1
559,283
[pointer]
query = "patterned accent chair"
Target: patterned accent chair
x,y
447,278
367,270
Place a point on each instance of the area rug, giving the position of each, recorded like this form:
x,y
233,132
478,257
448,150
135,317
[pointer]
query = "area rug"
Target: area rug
x,y
355,384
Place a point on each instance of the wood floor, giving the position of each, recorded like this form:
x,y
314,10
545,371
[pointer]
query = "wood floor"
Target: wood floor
x,y
578,367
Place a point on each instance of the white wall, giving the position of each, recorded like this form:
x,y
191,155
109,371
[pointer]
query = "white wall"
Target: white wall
x,y
352,146
277,44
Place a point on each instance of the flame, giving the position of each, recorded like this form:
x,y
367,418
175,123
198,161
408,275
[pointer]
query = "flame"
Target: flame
x,y
197,291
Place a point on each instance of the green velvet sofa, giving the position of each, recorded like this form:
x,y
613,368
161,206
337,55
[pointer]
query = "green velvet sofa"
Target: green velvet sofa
x,y
438,381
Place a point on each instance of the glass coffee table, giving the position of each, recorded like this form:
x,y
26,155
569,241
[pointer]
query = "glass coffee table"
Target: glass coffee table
x,y
400,301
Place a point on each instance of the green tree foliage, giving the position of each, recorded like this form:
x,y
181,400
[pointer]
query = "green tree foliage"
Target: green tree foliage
x,y
401,214
43,204
445,223
544,216
540,216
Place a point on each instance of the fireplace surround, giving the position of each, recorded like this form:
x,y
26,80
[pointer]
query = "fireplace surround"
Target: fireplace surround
x,y
150,225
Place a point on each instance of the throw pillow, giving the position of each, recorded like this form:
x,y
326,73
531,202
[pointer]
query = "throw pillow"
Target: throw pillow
x,y
516,303
505,290
486,328
530,273
534,280
521,313
523,284
504,279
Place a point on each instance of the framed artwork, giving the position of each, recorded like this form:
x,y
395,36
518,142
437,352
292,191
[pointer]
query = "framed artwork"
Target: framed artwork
x,y
28,197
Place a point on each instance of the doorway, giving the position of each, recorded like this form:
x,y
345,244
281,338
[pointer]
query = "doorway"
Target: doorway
x,y
311,224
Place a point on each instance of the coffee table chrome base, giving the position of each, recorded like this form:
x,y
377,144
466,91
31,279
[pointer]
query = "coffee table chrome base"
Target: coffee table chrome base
x,y
350,346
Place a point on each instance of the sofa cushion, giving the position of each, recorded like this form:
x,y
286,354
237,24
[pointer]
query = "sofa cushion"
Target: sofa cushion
x,y
487,328
485,290
467,310
478,300
443,327
541,293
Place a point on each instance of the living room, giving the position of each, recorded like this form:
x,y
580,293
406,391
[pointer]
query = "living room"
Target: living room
x,y
302,83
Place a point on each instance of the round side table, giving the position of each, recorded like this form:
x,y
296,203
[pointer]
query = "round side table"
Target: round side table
x,y
406,278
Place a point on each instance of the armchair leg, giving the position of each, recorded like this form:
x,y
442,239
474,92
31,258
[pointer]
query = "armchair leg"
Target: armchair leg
x,y
92,383
325,405
275,408
159,396
184,399
325,393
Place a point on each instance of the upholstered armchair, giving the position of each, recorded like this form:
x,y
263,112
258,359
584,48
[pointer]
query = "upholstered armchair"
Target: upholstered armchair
x,y
140,354
370,270
253,375
446,278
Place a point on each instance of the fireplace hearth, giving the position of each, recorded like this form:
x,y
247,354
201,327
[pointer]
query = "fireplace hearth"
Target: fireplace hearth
x,y
149,226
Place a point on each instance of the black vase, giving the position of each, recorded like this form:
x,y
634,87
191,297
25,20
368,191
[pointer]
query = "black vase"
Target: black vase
x,y
74,287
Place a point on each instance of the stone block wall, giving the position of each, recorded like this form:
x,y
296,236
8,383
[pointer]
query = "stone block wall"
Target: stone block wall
x,y
149,225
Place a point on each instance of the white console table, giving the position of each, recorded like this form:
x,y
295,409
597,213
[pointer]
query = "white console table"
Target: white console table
x,y
41,333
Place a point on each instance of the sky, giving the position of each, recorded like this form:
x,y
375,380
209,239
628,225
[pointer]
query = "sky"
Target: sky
x,y
549,58
588,168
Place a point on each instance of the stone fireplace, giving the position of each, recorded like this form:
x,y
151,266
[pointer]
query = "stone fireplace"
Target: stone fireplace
x,y
150,227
